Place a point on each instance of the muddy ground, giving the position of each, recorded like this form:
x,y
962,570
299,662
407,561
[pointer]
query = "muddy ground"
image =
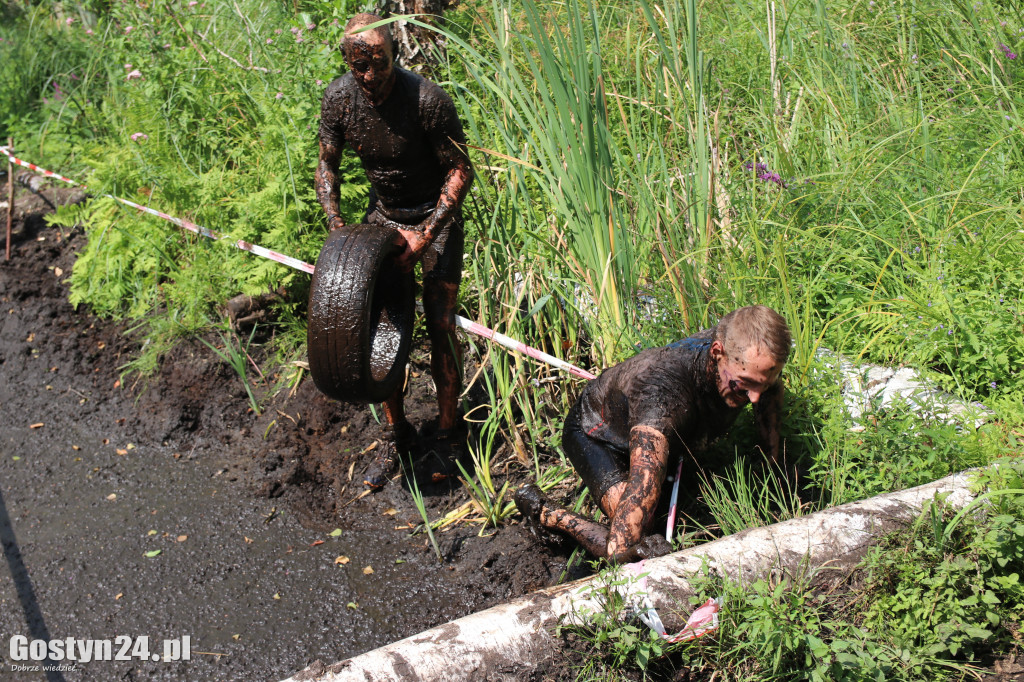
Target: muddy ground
x,y
95,474
166,508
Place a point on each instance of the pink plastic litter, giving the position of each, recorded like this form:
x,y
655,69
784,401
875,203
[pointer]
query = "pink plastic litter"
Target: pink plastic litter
x,y
702,621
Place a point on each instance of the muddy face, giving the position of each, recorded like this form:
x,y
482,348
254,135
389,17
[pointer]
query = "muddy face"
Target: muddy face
x,y
742,376
370,59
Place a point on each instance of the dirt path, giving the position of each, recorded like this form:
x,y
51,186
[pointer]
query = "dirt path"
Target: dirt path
x,y
94,476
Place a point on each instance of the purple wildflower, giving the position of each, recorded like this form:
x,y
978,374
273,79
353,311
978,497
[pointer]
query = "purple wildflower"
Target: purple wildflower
x,y
310,26
69,21
139,136
993,385
772,177
128,29
279,95
135,73
270,41
1007,52
763,173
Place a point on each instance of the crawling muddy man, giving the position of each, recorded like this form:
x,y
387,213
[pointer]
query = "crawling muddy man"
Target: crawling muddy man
x,y
410,141
662,404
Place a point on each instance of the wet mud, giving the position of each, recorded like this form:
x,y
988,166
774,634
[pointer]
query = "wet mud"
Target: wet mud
x,y
100,471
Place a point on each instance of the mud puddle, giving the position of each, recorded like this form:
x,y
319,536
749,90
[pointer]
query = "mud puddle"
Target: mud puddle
x,y
242,508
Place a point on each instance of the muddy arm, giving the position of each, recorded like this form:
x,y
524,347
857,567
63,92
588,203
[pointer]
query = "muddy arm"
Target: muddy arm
x,y
766,414
453,192
648,461
326,180
448,140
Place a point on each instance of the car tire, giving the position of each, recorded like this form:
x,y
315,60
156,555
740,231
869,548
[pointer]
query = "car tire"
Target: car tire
x,y
361,310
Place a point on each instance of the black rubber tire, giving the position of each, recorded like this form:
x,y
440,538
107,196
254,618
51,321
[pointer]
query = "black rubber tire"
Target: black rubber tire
x,y
360,316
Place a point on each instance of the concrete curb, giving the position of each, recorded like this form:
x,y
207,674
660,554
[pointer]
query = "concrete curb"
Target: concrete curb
x,y
507,641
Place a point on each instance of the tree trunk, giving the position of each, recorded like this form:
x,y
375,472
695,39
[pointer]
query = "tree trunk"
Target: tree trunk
x,y
509,641
418,49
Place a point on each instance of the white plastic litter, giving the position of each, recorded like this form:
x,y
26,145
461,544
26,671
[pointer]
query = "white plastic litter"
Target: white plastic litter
x,y
868,388
701,622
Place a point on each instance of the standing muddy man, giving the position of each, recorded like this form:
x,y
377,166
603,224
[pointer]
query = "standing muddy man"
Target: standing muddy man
x,y
663,402
410,141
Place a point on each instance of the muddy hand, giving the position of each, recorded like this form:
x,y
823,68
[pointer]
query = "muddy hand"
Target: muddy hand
x,y
415,244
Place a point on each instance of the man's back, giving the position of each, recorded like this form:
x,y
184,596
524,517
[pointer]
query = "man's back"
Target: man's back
x,y
667,388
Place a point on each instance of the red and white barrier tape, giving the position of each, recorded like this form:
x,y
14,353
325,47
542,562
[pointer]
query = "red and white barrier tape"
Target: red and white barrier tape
x,y
185,224
511,343
673,502
460,321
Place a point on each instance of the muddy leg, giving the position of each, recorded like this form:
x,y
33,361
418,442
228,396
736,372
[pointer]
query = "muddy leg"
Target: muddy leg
x,y
439,301
394,408
397,441
538,509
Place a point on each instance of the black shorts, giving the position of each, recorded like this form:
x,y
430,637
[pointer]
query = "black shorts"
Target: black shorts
x,y
599,464
442,261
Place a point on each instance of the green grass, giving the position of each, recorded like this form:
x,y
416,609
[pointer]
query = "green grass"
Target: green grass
x,y
932,602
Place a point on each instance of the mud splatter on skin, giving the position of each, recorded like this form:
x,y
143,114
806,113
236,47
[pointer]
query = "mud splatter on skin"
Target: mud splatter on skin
x,y
408,137
326,182
635,511
668,399
439,306
370,59
630,504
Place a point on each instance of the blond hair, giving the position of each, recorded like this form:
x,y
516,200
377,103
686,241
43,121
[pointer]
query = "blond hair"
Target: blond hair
x,y
758,326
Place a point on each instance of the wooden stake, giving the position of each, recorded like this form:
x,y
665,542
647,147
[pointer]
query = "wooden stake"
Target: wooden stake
x,y
10,195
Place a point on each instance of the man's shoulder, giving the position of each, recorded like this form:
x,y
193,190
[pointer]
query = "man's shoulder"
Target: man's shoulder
x,y
702,340
340,85
646,368
419,87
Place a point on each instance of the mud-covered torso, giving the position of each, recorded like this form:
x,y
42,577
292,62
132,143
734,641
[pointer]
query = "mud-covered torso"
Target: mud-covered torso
x,y
670,389
407,144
